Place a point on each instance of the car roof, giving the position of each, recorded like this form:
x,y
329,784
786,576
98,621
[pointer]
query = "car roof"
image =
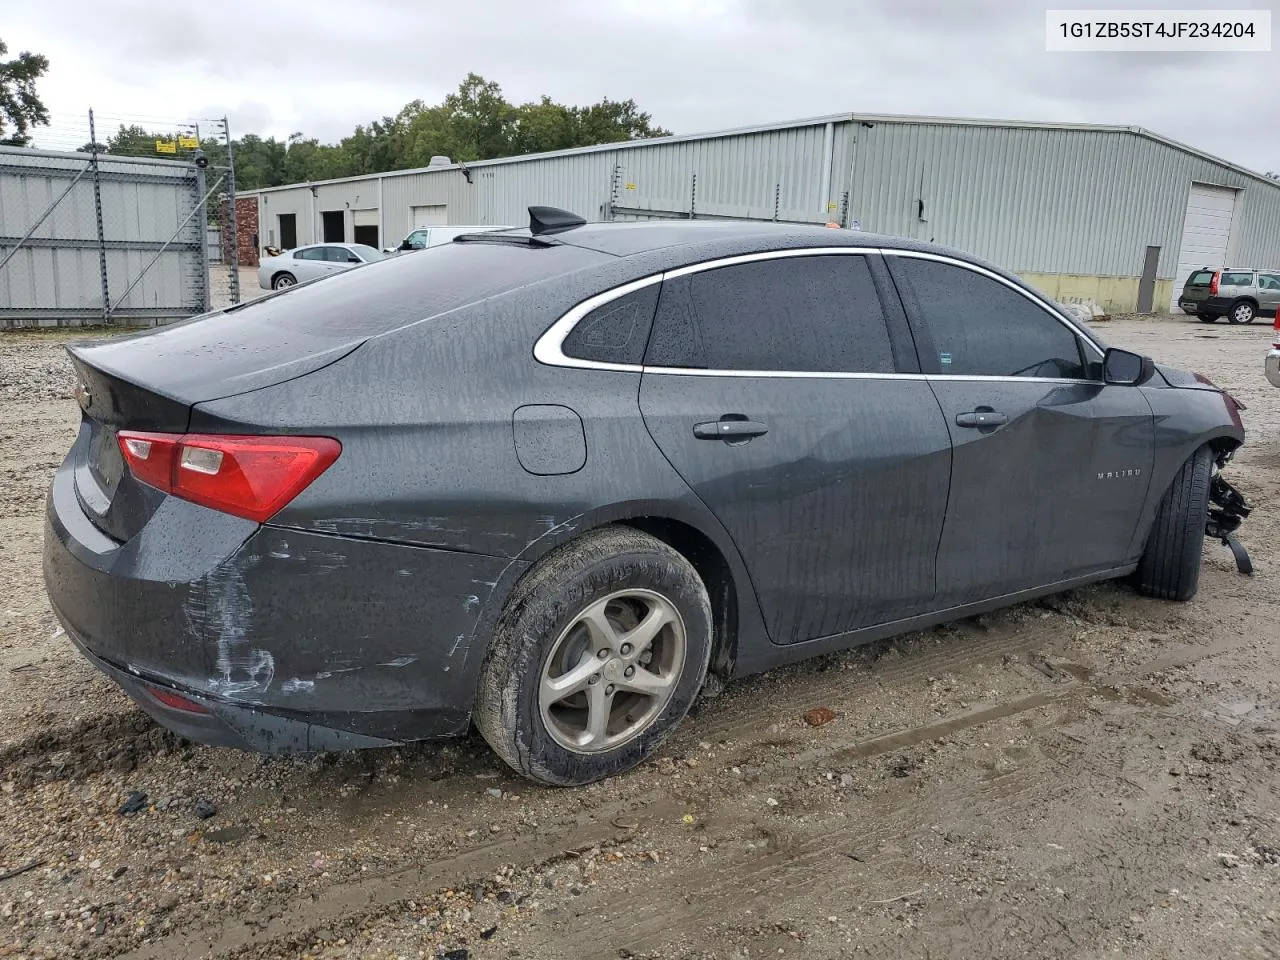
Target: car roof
x,y
668,244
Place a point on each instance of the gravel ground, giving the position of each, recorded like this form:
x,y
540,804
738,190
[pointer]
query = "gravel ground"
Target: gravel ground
x,y
1096,774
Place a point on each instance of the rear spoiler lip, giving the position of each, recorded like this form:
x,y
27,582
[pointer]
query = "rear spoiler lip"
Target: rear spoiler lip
x,y
122,399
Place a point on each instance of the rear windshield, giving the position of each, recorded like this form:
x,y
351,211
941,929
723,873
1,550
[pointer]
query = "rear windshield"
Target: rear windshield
x,y
1200,278
397,291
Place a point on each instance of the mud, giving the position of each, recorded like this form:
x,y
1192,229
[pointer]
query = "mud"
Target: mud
x,y
1095,774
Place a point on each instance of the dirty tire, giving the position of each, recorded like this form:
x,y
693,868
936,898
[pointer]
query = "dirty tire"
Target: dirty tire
x,y
282,281
545,602
1170,565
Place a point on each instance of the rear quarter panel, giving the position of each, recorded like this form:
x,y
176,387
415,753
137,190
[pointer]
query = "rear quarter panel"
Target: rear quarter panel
x,y
425,417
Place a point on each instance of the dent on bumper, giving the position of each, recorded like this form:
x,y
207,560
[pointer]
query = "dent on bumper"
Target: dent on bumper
x,y
233,725
1272,367
294,640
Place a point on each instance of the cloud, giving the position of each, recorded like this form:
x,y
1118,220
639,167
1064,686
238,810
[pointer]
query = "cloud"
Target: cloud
x,y
327,65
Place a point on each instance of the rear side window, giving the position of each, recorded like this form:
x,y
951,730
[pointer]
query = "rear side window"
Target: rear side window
x,y
1236,280
1200,278
818,314
980,327
615,332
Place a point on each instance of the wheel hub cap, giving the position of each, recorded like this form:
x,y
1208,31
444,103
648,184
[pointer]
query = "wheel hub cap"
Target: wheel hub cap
x,y
594,697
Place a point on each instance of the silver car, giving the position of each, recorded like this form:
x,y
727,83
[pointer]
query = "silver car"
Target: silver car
x,y
1240,294
312,262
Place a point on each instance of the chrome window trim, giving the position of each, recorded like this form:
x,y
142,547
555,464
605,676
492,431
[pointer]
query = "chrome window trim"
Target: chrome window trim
x,y
768,255
548,350
1035,298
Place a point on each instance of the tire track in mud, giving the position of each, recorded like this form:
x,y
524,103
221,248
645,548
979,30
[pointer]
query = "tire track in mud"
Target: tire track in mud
x,y
746,885
294,922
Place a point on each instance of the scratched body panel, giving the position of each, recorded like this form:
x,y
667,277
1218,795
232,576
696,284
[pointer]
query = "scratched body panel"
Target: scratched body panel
x,y
360,613
1027,506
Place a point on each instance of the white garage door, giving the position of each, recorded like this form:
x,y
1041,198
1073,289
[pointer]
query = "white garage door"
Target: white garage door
x,y
1205,233
432,215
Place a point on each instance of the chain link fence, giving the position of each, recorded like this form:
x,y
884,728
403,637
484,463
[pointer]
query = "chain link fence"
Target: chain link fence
x,y
91,237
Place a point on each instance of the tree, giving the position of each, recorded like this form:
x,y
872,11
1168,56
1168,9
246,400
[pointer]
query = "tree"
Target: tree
x,y
475,122
20,108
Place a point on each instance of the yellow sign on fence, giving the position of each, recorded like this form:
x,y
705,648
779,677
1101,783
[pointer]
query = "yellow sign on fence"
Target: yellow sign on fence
x,y
166,146
188,142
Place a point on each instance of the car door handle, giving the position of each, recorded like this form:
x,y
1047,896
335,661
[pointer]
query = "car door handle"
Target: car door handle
x,y
981,418
729,430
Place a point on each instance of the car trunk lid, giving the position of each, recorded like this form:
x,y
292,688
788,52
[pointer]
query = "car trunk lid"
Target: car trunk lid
x,y
151,382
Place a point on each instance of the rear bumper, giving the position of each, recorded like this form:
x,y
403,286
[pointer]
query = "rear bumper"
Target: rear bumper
x,y
1215,306
221,724
292,641
1272,367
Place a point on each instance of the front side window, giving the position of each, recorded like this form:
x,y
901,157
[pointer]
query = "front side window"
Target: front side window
x,y
810,314
417,240
1269,281
981,327
1236,280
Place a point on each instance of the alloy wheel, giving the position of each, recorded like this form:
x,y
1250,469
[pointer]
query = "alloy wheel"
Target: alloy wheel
x,y
612,671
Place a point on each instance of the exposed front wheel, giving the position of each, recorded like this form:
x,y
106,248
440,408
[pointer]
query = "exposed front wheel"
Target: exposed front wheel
x,y
282,281
1242,313
597,657
1170,565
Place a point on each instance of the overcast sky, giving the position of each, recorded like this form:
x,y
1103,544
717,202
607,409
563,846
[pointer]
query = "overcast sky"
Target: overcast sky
x,y
322,66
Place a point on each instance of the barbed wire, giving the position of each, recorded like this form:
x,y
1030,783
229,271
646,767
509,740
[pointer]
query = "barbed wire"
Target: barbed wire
x,y
70,132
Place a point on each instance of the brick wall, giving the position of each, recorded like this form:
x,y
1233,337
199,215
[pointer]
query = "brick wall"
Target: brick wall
x,y
247,238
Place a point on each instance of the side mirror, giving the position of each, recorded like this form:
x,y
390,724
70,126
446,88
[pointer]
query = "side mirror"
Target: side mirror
x,y
1125,368
354,259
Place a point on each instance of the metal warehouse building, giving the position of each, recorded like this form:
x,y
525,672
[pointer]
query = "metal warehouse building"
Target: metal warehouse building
x,y
1119,215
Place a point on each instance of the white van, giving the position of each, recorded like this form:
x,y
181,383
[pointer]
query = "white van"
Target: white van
x,y
425,237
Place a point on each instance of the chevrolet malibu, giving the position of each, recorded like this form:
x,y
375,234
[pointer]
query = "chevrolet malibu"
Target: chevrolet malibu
x,y
547,481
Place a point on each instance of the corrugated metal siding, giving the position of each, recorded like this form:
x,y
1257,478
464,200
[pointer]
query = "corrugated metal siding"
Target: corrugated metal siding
x,y
449,187
64,282
1046,200
1033,199
578,183
272,205
754,176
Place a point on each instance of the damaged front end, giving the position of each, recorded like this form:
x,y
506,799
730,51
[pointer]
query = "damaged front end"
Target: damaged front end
x,y
1227,510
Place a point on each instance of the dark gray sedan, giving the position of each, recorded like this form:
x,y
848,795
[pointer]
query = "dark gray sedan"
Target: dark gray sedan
x,y
548,480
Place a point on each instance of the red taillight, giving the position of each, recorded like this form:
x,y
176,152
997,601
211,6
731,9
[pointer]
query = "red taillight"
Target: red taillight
x,y
1213,284
175,701
251,477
